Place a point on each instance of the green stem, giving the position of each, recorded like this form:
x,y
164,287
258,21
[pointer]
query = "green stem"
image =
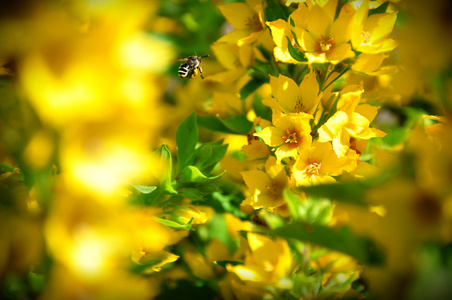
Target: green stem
x,y
338,76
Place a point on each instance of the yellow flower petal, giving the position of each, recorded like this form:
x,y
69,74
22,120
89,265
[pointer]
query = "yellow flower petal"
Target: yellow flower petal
x,y
238,14
309,89
380,25
333,126
367,63
271,136
339,53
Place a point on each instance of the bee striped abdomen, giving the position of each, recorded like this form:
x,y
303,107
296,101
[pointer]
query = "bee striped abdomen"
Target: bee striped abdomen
x,y
184,70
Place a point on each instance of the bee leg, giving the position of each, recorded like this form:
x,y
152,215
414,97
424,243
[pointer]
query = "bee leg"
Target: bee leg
x,y
200,72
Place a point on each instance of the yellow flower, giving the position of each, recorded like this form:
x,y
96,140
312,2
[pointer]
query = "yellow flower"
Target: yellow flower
x,y
326,39
102,158
203,265
235,59
290,98
291,134
282,31
266,186
318,165
269,263
369,32
350,121
248,20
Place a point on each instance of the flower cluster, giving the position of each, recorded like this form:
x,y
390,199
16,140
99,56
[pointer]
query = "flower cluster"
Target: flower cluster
x,y
316,131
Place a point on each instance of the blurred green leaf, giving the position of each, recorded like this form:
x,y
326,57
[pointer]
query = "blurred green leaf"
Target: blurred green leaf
x,y
214,123
173,224
187,290
192,174
144,189
261,110
313,211
251,86
165,164
348,192
4,168
37,281
193,194
339,239
186,140
239,124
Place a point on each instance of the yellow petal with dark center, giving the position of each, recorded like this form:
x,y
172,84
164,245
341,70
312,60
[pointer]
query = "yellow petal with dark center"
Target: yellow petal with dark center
x,y
238,14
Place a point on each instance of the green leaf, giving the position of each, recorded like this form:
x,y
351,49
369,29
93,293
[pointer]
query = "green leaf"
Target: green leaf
x,y
186,140
194,175
213,123
380,9
260,109
239,124
193,194
203,154
311,210
165,163
339,239
174,224
144,189
251,86
209,155
224,263
4,168
275,11
266,53
297,55
348,192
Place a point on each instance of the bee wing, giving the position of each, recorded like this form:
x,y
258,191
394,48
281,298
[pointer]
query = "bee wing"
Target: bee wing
x,y
182,59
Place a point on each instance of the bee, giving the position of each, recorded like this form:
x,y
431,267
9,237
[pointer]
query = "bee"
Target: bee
x,y
191,66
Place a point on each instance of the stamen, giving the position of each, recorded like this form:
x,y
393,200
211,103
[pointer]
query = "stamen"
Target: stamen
x,y
274,190
313,169
365,35
291,136
325,43
254,23
299,107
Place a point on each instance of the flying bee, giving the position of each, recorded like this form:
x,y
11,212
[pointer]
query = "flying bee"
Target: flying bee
x,y
190,68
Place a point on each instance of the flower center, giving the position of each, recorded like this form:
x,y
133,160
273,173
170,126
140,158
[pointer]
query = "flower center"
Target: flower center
x,y
291,136
274,190
354,146
326,43
299,107
254,23
313,169
365,35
